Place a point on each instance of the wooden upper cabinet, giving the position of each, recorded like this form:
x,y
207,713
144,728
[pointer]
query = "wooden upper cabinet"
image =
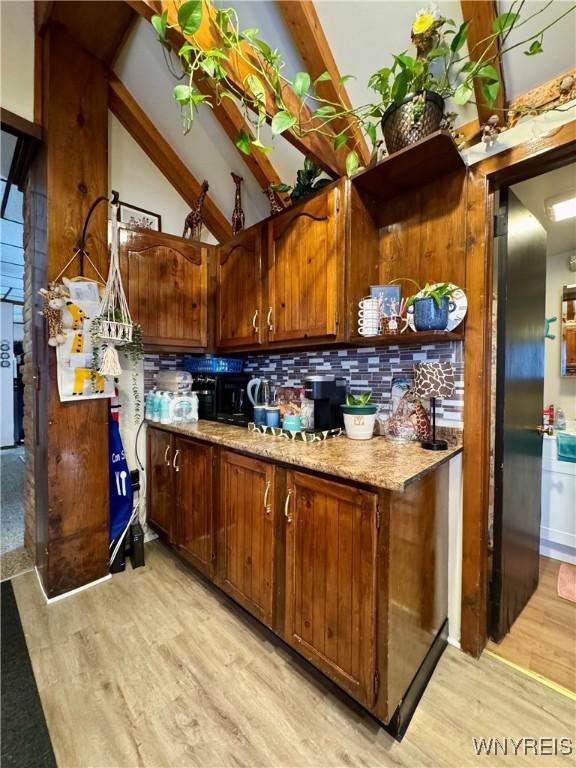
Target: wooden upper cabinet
x,y
192,466
330,611
161,500
166,284
239,321
246,531
306,269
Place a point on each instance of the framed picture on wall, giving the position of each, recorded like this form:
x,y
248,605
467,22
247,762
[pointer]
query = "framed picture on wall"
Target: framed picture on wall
x,y
139,217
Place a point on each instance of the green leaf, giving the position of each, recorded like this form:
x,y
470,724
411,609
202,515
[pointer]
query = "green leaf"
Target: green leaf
x,y
352,163
159,24
323,77
463,94
190,16
400,86
251,33
370,129
324,111
490,92
438,53
181,93
215,53
460,37
257,88
242,141
535,47
344,79
262,147
488,72
281,187
281,122
504,21
208,66
340,140
301,83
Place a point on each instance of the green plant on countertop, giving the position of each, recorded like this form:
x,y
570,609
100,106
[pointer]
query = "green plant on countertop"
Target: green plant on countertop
x,y
436,291
134,353
439,63
307,181
359,400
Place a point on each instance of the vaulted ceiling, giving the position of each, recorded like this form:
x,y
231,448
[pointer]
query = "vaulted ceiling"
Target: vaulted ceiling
x,y
360,35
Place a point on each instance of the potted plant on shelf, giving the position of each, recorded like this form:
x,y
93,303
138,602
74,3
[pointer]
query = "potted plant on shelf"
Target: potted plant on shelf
x,y
411,92
359,416
431,306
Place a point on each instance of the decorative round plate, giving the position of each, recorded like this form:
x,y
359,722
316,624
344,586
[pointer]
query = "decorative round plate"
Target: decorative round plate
x,y
456,316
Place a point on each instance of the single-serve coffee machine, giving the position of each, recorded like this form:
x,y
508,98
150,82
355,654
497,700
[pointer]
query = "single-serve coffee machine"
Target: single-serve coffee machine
x,y
328,393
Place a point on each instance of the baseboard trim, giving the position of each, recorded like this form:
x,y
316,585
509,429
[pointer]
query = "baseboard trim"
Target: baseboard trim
x,y
71,592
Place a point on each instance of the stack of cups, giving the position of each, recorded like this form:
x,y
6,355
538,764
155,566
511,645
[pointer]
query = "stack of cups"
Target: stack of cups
x,y
369,316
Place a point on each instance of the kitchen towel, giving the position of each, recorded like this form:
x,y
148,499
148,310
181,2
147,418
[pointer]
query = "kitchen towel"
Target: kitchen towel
x,y
566,446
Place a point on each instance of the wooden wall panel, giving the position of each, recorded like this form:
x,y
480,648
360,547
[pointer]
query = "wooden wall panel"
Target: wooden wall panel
x,y
75,113
423,236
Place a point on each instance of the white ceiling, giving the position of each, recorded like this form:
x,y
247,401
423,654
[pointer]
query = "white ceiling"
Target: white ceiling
x,y
521,72
533,193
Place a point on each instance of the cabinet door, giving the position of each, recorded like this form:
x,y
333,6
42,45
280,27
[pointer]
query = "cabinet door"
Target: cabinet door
x,y
305,269
166,283
331,538
239,291
160,500
246,526
192,464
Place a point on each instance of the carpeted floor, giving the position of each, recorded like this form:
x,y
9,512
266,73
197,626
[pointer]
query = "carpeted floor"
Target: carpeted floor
x,y
12,499
25,737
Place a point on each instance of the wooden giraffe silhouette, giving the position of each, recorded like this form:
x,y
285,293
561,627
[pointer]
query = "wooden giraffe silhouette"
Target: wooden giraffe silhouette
x,y
275,206
237,213
193,222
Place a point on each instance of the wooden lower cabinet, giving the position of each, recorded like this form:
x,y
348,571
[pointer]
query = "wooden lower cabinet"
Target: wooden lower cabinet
x,y
354,579
247,512
330,610
160,502
194,507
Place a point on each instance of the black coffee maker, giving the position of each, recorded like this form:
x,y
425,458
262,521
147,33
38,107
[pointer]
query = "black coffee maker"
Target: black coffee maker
x,y
328,393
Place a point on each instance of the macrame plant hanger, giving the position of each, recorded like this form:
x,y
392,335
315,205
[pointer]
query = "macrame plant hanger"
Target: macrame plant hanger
x,y
113,323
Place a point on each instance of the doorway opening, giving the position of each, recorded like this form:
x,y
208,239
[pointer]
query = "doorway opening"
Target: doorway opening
x,y
15,550
532,606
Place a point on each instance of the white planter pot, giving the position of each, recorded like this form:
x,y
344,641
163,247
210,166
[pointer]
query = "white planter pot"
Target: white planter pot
x,y
359,426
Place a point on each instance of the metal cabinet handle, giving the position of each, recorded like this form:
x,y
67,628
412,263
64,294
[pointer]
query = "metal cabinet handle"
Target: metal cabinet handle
x,y
256,328
267,508
175,466
287,515
166,459
545,430
269,319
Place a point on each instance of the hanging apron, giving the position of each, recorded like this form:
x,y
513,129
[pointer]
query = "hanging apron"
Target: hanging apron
x,y
121,497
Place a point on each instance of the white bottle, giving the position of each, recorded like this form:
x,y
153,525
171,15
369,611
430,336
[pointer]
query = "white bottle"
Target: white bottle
x,y
166,408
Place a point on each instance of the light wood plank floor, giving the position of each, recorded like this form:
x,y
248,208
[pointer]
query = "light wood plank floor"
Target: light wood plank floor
x,y
543,637
153,668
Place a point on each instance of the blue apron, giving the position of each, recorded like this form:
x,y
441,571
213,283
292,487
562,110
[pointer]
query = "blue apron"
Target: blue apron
x,y
121,497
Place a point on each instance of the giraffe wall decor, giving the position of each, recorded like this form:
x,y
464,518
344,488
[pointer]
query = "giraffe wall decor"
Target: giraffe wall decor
x,y
275,206
237,213
193,223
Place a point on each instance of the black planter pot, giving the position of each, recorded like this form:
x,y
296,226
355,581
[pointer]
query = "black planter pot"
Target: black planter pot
x,y
401,128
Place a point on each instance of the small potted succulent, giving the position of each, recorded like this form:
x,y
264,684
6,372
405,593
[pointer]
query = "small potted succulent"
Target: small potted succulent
x,y
359,416
431,306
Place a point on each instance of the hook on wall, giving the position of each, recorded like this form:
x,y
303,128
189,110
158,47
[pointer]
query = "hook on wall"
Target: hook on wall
x,y
80,247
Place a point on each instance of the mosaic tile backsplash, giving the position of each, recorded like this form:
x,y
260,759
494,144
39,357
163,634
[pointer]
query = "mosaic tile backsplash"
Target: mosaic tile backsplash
x,y
367,368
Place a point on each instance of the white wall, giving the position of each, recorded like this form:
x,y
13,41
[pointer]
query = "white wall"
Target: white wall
x,y
560,390
17,57
139,182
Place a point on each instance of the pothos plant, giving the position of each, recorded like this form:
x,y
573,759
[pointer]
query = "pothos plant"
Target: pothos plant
x,y
439,63
436,291
134,353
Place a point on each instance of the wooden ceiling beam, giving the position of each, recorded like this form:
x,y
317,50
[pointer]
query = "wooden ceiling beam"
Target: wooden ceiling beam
x,y
147,136
310,40
318,146
482,15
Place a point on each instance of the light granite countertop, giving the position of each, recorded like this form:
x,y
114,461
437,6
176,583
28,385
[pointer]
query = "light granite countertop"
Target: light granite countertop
x,y
379,462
